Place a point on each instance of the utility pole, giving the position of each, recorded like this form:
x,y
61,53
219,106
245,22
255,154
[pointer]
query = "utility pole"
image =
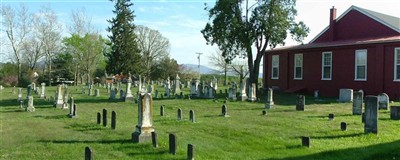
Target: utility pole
x,y
198,57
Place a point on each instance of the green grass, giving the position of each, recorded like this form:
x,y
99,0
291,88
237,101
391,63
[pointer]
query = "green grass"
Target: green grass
x,y
48,133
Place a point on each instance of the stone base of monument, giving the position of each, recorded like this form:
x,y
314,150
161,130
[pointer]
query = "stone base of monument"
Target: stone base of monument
x,y
130,99
268,105
138,137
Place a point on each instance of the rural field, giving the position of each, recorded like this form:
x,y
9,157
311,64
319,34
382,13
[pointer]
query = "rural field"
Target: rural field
x,y
48,133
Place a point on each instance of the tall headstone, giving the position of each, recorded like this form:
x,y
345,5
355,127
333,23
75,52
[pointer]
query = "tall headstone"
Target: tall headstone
x,y
30,107
301,101
179,114
19,94
112,94
104,117
88,153
177,84
252,93
121,95
190,152
97,93
371,114
145,119
224,111
270,100
191,116
43,92
13,90
168,87
395,112
59,101
28,89
193,88
162,110
243,95
113,120
98,118
75,111
65,99
383,101
156,94
71,106
358,102
345,95
150,89
154,139
128,95
172,144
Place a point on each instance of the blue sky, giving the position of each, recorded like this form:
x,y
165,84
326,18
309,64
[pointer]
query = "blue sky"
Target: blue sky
x,y
181,20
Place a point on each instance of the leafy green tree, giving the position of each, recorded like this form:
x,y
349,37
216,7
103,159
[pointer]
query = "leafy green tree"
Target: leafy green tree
x,y
124,55
165,68
63,66
235,26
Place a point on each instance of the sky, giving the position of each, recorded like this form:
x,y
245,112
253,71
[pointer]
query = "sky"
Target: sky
x,y
182,20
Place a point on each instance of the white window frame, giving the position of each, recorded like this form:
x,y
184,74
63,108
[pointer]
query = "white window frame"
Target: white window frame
x,y
396,51
298,65
360,51
324,65
274,65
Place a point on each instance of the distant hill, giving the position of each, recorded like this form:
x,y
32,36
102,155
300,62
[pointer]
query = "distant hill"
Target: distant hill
x,y
203,69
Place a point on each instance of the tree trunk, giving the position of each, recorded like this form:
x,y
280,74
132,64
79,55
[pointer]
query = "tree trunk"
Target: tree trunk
x,y
225,74
19,73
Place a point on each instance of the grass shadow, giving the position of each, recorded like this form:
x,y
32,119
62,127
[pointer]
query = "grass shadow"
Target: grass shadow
x,y
52,117
85,127
337,136
122,141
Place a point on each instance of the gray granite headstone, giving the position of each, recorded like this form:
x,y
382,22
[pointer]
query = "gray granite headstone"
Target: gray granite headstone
x,y
98,118
191,116
104,117
30,107
172,144
162,110
383,101
300,103
224,111
43,92
19,94
154,139
190,152
113,120
395,112
179,114
343,126
305,141
357,102
371,114
88,153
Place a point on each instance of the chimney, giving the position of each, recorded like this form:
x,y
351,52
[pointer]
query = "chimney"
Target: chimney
x,y
332,20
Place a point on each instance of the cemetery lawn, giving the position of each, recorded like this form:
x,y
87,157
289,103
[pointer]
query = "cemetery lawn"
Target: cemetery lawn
x,y
48,133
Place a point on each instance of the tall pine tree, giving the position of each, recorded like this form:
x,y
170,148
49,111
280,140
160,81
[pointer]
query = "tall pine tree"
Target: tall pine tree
x,y
124,55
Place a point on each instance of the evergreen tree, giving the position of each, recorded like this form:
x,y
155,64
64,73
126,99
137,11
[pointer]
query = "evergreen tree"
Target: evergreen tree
x,y
124,55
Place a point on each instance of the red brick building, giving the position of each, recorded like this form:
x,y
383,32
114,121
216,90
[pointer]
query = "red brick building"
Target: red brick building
x,y
358,50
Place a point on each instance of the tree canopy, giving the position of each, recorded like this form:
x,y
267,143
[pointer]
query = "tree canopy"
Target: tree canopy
x,y
235,27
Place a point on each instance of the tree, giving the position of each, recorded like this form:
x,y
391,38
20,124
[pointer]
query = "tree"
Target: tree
x,y
240,68
17,26
235,27
217,60
63,65
48,32
153,47
124,55
32,50
165,68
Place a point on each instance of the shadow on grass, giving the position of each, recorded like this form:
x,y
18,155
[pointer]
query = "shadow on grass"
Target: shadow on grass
x,y
86,127
122,141
52,117
337,136
379,151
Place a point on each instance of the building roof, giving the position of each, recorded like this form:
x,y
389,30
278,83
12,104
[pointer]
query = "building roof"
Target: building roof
x,y
387,20
339,43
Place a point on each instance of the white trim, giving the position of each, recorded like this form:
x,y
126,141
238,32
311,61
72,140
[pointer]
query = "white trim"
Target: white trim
x,y
355,64
323,65
395,79
295,65
272,67
361,11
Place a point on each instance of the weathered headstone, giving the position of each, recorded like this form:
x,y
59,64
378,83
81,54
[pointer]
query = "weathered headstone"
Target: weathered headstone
x,y
28,89
97,93
113,120
252,93
104,117
43,92
156,94
345,95
98,118
19,94
13,90
395,112
270,101
300,103
21,107
75,112
154,139
71,106
357,102
383,101
128,96
191,116
88,153
190,152
121,95
112,94
331,116
172,144
162,110
176,86
59,98
65,99
371,114
168,88
343,126
145,119
224,111
363,117
30,107
305,141
179,114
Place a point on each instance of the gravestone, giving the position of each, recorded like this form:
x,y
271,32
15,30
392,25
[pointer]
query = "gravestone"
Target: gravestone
x,y
75,111
59,98
395,112
19,94
97,93
176,86
43,92
128,95
104,117
145,119
156,94
358,102
21,107
121,95
88,153
154,139
179,114
90,90
345,95
270,101
191,116
13,90
83,90
162,110
252,93
172,144
168,88
150,89
383,101
98,118
343,126
224,111
112,94
65,99
71,106
371,114
113,120
199,90
28,89
190,152
30,107
193,88
363,117
305,141
300,103
331,116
